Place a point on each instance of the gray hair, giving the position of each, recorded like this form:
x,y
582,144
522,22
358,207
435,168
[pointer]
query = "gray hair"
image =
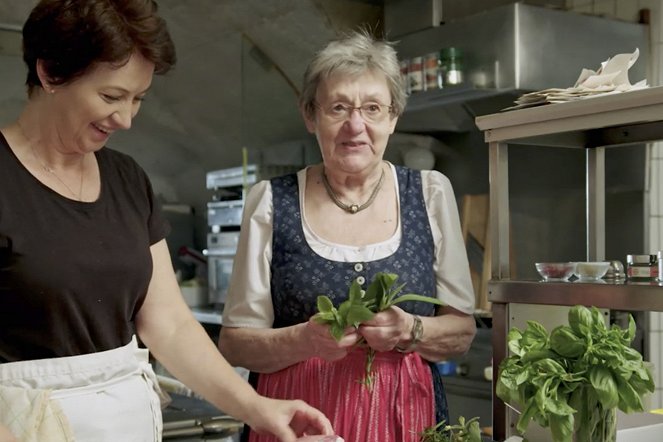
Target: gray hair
x,y
353,54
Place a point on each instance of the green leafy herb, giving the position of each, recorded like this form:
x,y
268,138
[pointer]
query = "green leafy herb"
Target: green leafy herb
x,y
361,307
574,377
465,431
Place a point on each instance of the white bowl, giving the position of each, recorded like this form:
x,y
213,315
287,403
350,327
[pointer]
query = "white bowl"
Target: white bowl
x,y
591,271
555,271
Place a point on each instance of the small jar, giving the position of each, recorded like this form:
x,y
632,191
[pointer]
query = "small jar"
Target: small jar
x,y
642,267
451,63
415,74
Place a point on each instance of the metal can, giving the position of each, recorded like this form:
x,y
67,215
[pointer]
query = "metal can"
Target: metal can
x,y
405,64
431,69
451,63
415,74
642,267
660,265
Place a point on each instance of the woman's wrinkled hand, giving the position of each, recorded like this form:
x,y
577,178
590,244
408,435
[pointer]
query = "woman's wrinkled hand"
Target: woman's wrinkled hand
x,y
288,420
387,329
323,343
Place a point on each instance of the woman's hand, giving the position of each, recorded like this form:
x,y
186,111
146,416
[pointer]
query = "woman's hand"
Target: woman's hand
x,y
288,420
323,343
387,329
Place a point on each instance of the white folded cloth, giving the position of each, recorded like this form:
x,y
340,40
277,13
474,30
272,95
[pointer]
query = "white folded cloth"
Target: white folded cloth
x,y
31,416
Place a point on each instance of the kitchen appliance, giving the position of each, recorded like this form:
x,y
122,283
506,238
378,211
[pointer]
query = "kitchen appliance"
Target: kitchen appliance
x,y
189,419
221,248
224,217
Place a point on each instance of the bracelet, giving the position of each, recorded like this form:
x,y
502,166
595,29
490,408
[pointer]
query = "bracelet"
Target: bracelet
x,y
416,333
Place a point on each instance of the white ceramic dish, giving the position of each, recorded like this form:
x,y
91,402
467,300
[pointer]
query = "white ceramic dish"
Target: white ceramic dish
x,y
591,271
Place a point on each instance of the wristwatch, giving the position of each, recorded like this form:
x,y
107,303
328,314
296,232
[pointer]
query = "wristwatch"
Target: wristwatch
x,y
415,336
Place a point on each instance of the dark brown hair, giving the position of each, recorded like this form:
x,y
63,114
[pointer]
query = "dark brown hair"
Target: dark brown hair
x,y
72,36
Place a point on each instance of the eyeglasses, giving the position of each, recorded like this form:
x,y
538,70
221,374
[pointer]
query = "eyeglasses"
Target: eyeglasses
x,y
370,112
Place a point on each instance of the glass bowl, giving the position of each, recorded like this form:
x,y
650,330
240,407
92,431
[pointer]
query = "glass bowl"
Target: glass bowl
x,y
555,271
591,271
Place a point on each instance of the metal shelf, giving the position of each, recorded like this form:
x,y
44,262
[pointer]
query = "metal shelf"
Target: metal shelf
x,y
592,124
627,296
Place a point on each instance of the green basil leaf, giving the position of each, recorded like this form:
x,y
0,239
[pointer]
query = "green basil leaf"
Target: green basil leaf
x,y
566,343
324,318
337,331
604,385
358,314
474,432
414,297
513,341
561,428
343,310
391,295
580,320
324,304
355,292
629,399
535,355
598,321
528,412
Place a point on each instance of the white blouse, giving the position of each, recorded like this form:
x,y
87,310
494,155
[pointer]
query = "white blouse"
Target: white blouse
x,y
249,301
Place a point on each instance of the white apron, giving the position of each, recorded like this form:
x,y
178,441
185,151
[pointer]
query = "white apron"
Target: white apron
x,y
107,396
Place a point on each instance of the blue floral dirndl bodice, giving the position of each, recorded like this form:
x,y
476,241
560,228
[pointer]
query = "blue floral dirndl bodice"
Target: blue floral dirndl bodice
x,y
299,275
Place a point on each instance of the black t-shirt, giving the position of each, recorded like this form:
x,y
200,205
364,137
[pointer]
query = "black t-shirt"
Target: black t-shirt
x,y
73,274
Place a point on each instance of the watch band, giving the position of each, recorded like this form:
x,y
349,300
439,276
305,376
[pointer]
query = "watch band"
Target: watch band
x,y
415,335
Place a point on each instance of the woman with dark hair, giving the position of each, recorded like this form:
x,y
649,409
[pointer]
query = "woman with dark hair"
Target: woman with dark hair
x,y
84,266
340,222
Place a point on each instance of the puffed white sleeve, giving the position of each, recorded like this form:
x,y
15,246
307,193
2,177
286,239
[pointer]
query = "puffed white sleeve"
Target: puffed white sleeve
x,y
249,299
452,269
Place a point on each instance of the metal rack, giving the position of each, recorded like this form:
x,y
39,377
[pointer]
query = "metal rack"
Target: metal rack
x,y
592,124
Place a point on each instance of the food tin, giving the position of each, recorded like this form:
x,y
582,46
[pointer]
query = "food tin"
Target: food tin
x,y
642,267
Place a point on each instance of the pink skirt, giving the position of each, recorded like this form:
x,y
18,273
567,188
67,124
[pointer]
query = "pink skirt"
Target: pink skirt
x,y
398,406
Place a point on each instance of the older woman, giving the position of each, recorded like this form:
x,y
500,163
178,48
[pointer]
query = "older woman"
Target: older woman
x,y
347,219
84,265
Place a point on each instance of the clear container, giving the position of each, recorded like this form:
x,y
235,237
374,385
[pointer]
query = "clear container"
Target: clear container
x,y
642,267
451,64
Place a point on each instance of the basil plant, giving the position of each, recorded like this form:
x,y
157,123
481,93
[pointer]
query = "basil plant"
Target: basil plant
x,y
573,379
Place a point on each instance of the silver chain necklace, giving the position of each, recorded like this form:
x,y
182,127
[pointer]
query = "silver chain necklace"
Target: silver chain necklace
x,y
352,208
79,196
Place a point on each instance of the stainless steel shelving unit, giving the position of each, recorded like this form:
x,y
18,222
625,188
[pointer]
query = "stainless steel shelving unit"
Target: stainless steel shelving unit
x,y
592,124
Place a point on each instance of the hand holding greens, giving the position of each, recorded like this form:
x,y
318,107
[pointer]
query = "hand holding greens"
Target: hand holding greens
x,y
362,306
566,380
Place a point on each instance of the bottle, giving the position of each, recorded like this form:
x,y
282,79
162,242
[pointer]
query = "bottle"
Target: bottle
x,y
451,63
